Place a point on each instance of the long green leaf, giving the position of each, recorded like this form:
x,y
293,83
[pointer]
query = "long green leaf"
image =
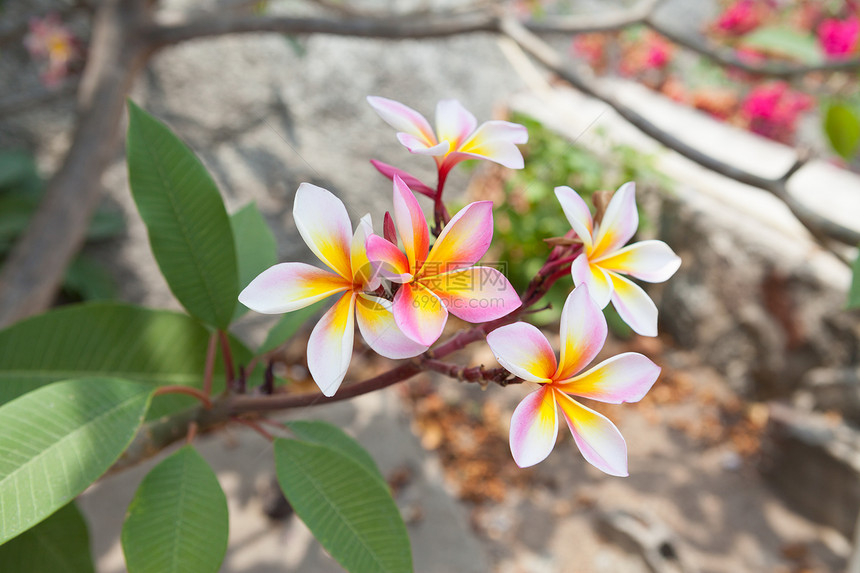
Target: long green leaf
x,y
189,230
256,247
329,435
178,520
288,325
109,339
348,509
842,127
59,439
60,544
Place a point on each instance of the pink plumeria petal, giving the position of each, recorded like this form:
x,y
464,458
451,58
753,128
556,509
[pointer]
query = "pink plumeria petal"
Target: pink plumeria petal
x,y
600,442
387,260
496,141
577,213
623,378
363,272
323,223
330,345
598,281
475,294
583,332
619,223
651,261
419,313
411,225
403,118
523,351
290,286
634,306
463,241
411,181
420,147
534,428
454,123
379,329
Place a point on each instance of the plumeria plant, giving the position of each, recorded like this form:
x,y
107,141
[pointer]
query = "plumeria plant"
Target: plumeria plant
x,y
100,386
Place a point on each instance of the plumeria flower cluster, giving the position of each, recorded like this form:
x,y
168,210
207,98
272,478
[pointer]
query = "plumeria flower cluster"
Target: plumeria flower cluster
x,y
399,289
51,42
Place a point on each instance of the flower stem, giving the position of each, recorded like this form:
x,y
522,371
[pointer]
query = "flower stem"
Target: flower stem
x,y
210,364
189,390
229,373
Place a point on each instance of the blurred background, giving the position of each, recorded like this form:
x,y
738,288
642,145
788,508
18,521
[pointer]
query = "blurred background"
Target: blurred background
x,y
745,456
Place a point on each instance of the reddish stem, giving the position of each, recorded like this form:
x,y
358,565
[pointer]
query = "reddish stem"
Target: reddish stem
x,y
440,212
189,390
254,426
210,364
229,373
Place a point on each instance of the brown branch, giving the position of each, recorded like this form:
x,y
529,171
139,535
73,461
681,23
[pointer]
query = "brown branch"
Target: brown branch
x,y
819,226
477,374
34,269
728,57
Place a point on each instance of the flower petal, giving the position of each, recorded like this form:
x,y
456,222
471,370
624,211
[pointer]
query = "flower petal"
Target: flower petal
x,y
619,223
411,225
496,141
634,306
330,345
454,123
600,442
379,329
413,182
598,281
387,260
475,294
583,332
523,351
534,428
577,213
323,223
290,286
623,378
403,118
652,261
419,146
363,273
463,241
419,313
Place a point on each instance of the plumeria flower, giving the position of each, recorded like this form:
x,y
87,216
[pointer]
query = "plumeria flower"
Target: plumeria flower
x,y
51,41
525,352
457,136
604,260
434,282
324,225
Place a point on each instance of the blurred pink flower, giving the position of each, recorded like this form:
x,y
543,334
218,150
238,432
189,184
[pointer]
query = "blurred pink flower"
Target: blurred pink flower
x,y
658,52
49,40
838,38
741,17
772,110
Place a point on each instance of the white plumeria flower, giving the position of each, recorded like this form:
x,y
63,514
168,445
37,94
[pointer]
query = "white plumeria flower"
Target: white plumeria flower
x,y
457,136
605,260
324,225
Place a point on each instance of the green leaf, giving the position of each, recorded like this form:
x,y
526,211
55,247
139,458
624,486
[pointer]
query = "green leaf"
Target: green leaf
x,y
178,519
58,440
854,291
786,42
326,434
842,127
15,168
256,247
288,325
109,339
87,278
346,506
189,230
60,544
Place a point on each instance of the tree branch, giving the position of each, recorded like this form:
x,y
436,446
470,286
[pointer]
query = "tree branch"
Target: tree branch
x,y
34,270
819,226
